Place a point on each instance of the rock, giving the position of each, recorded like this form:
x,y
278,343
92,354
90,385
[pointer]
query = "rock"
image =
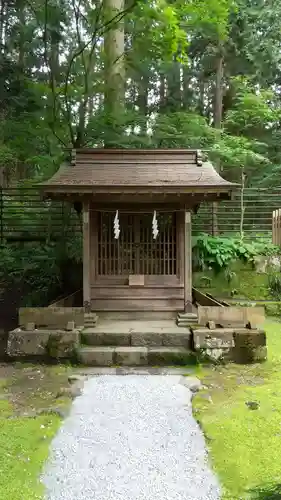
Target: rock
x,y
192,383
261,264
60,412
72,379
252,405
71,392
207,397
211,325
250,346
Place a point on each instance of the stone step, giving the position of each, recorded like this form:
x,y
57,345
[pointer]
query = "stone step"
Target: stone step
x,y
90,320
135,356
186,324
189,315
100,337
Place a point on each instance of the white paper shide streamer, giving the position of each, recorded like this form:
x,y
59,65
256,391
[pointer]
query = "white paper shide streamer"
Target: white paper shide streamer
x,y
116,226
155,230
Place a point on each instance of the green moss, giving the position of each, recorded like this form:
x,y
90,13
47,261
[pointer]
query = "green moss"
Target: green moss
x,y
243,442
273,309
24,444
241,281
171,359
52,346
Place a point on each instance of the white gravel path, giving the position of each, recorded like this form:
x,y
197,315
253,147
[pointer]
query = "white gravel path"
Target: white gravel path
x,y
130,438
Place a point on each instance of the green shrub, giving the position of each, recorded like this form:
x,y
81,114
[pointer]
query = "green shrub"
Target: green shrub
x,y
273,309
274,284
39,269
218,252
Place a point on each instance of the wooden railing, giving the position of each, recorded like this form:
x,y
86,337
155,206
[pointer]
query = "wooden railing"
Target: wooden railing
x,y
276,227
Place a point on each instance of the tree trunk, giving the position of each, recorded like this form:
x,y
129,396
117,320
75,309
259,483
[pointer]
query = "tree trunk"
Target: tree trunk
x,y
114,45
162,93
201,97
174,93
187,92
21,20
2,26
218,98
142,101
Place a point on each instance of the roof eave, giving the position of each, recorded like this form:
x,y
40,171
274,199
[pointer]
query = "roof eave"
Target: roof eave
x,y
220,188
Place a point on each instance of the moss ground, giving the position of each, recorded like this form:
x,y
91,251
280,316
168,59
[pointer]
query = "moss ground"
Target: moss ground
x,y
240,413
25,432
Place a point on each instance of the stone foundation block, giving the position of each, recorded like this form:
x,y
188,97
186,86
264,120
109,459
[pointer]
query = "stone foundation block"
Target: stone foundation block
x,y
63,344
131,356
96,356
56,344
170,356
90,336
182,339
146,339
29,326
250,346
51,317
241,345
27,343
219,338
231,316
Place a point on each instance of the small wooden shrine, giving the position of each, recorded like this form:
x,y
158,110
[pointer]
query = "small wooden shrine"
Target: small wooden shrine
x,y
137,207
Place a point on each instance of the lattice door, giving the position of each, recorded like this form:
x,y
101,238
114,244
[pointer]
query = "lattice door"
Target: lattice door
x,y
136,252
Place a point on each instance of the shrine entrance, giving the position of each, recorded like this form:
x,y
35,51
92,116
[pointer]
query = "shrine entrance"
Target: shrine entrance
x,y
138,270
136,252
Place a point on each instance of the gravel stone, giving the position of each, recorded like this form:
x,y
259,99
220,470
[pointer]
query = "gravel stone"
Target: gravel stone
x,y
130,438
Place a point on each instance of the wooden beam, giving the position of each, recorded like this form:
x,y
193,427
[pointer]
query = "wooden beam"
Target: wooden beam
x,y
86,258
180,245
187,263
93,245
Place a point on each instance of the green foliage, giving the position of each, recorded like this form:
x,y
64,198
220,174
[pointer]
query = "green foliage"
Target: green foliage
x,y
274,283
218,252
38,269
242,442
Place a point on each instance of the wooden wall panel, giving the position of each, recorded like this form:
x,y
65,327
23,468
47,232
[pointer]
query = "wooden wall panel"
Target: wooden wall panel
x,y
137,304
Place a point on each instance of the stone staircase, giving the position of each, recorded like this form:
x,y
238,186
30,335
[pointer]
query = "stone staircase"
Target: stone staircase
x,y
135,343
186,319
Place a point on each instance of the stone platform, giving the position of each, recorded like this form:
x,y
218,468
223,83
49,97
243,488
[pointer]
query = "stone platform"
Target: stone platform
x,y
138,343
110,343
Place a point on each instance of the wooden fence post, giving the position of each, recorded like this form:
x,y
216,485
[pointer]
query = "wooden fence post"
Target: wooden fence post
x,y
276,227
1,217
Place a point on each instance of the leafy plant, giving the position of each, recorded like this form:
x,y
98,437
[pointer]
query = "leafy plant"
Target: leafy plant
x,y
38,269
274,283
218,252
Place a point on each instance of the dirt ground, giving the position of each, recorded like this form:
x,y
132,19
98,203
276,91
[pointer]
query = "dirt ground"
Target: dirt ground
x,y
31,389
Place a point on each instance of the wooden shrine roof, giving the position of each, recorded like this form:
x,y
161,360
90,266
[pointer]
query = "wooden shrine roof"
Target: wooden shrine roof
x,y
182,170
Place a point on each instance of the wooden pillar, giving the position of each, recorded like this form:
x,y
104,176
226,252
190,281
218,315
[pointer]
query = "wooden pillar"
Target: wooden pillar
x,y
187,263
86,257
